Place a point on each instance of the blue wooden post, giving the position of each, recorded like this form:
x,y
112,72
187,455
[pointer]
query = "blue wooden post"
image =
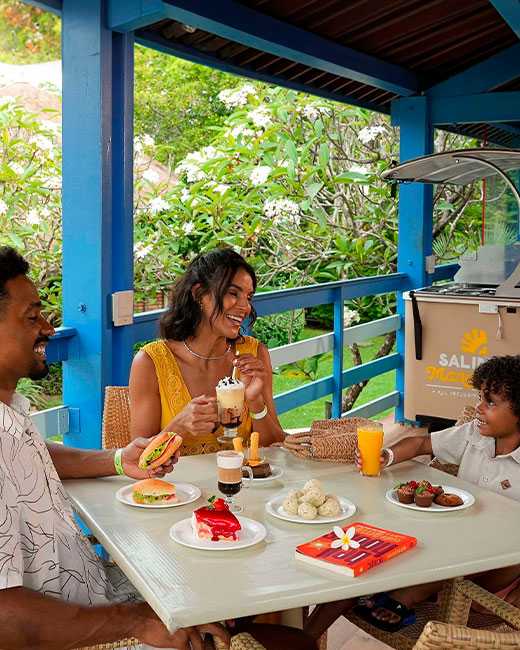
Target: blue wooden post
x,y
96,207
415,211
337,371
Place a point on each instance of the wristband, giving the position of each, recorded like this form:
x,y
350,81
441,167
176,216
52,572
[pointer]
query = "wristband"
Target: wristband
x,y
118,463
260,415
390,456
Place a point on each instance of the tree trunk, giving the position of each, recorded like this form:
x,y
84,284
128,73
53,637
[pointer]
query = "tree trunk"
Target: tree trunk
x,y
352,393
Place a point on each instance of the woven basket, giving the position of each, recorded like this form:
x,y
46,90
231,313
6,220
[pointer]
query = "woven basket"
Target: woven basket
x,y
328,440
242,641
116,417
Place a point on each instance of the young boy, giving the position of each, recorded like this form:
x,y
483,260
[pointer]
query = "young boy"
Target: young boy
x,y
487,450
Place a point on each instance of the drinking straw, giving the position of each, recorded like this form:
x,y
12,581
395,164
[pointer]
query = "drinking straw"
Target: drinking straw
x,y
234,373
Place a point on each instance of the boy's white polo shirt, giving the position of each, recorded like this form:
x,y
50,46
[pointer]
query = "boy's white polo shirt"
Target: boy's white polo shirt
x,y
475,455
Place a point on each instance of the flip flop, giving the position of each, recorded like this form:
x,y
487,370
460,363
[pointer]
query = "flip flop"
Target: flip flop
x,y
366,606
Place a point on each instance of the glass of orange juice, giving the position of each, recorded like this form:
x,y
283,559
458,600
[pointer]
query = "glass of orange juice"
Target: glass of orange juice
x,y
370,443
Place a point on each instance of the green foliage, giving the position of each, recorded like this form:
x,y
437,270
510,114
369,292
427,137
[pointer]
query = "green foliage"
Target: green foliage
x,y
28,34
33,392
30,196
177,103
280,329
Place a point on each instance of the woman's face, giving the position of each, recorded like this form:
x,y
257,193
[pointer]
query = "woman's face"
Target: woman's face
x,y
236,306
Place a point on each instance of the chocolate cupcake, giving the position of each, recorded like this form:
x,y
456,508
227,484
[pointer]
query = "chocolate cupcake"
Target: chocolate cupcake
x,y
405,493
423,498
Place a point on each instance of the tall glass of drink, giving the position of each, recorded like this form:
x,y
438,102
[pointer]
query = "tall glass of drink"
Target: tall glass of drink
x,y
370,443
230,404
229,475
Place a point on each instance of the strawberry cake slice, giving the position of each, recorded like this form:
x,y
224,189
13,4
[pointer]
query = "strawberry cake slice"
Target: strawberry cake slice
x,y
215,522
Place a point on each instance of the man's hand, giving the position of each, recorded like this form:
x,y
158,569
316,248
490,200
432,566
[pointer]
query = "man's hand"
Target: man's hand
x,y
149,629
130,458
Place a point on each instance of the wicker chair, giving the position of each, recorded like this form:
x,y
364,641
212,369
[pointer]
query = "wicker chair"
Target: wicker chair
x,y
116,417
459,632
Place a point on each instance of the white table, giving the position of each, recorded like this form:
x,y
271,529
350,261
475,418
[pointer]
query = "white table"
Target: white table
x,y
189,586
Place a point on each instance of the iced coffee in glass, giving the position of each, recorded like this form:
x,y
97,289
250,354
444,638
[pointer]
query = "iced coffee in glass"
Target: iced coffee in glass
x,y
230,404
230,477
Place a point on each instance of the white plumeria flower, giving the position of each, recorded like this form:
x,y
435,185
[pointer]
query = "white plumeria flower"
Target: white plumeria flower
x,y
151,176
349,316
369,133
282,211
3,207
345,538
45,212
260,174
158,204
148,141
241,131
33,217
311,112
235,97
141,251
185,194
260,117
222,188
188,227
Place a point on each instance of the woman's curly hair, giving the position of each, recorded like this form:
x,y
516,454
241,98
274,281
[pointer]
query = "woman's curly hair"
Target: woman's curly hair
x,y
213,272
500,375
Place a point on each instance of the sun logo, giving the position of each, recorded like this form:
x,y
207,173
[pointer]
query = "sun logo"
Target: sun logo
x,y
475,342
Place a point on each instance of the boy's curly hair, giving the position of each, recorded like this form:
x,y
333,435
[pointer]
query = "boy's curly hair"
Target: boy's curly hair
x,y
500,375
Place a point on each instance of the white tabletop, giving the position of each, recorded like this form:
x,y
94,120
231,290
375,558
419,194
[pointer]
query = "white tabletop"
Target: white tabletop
x,y
187,586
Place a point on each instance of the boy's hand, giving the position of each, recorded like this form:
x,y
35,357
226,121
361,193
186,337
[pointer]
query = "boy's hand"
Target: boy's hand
x,y
383,459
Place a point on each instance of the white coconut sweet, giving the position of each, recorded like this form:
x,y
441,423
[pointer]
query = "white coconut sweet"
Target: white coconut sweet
x,y
290,504
311,484
329,508
314,496
307,511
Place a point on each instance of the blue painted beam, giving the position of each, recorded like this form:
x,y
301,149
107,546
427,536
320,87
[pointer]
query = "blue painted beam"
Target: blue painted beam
x,y
415,212
54,6
337,367
468,109
510,12
122,239
371,369
59,347
156,42
134,14
241,24
484,76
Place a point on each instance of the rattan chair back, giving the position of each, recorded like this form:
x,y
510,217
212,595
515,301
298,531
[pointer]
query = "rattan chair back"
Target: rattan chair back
x,y
116,417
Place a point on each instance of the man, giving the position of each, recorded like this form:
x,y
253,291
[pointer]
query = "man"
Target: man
x,y
54,590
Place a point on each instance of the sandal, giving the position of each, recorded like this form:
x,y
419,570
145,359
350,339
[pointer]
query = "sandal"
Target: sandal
x,y
366,606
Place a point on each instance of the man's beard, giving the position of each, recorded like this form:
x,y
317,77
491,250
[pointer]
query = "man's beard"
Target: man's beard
x,y
39,372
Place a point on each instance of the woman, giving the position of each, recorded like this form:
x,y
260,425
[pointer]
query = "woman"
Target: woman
x,y
172,380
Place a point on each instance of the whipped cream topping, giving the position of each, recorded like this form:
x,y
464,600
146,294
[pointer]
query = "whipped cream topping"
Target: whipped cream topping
x,y
229,382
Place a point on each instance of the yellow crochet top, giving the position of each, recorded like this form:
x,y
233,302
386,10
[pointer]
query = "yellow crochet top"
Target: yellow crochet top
x,y
175,395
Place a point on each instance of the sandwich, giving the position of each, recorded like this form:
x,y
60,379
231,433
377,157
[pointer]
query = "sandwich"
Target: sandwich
x,y
159,450
153,490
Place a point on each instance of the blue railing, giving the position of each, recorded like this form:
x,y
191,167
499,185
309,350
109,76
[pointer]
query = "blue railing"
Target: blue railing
x,y
63,345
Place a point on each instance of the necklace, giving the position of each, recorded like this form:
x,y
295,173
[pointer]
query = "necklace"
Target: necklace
x,y
201,356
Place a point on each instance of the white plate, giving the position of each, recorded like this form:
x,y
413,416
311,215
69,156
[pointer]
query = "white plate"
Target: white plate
x,y
274,508
252,532
276,472
186,493
466,497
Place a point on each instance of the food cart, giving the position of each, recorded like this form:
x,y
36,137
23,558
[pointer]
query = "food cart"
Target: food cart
x,y
452,328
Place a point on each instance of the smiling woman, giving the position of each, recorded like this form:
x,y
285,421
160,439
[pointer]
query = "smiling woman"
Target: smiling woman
x,y
173,380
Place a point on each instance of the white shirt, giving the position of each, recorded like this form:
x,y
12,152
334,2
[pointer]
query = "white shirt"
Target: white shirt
x,y
475,455
41,546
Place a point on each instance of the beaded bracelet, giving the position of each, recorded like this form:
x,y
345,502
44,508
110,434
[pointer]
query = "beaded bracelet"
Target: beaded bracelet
x,y
118,462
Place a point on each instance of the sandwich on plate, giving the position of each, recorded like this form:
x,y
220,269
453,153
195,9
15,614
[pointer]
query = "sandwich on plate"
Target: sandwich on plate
x,y
153,491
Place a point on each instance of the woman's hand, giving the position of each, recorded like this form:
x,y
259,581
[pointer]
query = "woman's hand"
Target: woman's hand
x,y
200,416
253,374
130,458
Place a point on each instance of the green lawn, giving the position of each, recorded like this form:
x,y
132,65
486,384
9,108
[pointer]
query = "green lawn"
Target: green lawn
x,y
304,415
